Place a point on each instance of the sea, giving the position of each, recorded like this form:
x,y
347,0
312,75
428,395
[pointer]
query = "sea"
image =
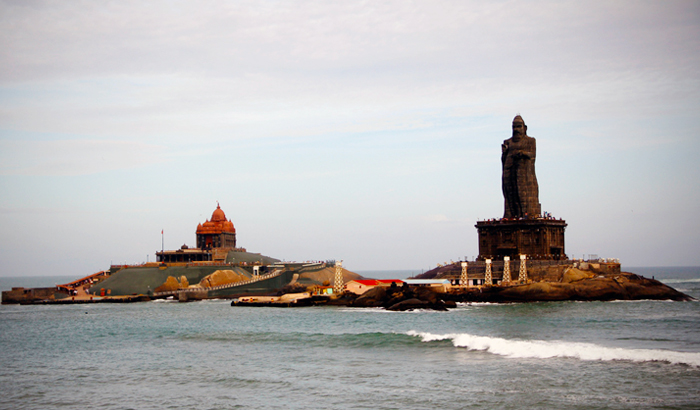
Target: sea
x,y
211,355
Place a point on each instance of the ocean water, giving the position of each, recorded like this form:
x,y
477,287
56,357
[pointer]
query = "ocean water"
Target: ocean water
x,y
210,355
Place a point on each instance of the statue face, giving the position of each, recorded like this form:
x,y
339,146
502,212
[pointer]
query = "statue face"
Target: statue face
x,y
518,130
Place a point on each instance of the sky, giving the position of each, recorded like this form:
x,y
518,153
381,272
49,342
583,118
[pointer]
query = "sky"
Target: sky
x,y
362,131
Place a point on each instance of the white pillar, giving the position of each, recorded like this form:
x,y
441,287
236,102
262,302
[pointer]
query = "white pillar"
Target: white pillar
x,y
463,279
506,269
338,285
522,276
488,280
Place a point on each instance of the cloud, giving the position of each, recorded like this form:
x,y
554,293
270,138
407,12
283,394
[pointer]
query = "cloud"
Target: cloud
x,y
74,157
248,69
437,218
318,40
397,108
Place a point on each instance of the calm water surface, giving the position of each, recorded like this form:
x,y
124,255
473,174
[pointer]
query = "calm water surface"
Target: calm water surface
x,y
209,355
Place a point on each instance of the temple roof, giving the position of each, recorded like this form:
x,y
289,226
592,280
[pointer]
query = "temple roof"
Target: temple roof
x,y
218,215
218,223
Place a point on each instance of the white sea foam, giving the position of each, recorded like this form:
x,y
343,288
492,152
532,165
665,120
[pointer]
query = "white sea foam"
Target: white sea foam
x,y
548,349
693,280
365,310
466,304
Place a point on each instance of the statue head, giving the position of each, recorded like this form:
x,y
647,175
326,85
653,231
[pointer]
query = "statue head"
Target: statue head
x,y
519,128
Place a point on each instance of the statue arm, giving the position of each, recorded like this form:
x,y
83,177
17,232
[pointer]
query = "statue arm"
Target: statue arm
x,y
532,149
529,151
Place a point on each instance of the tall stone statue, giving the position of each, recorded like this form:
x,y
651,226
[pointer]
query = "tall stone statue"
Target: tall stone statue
x,y
520,188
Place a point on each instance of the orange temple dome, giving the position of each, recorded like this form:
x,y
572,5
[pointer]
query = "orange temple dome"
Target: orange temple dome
x,y
218,214
218,224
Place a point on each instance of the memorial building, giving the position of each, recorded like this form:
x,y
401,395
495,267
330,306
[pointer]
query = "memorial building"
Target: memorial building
x,y
218,232
523,230
215,238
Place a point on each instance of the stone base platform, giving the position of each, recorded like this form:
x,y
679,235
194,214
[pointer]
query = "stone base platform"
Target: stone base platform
x,y
538,238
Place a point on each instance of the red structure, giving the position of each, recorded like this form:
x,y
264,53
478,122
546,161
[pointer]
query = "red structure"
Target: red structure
x,y
217,232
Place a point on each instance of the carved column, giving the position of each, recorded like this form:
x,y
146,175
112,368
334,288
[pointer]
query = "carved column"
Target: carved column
x,y
463,278
522,277
488,280
506,270
338,285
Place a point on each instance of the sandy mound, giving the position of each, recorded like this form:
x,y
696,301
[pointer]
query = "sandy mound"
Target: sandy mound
x,y
574,275
221,277
318,277
170,284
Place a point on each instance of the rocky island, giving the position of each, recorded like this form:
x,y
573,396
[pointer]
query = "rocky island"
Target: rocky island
x,y
522,255
521,259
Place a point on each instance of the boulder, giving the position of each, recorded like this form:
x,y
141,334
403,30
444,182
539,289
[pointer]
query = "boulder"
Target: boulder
x,y
374,297
219,278
401,299
409,304
602,288
170,284
574,275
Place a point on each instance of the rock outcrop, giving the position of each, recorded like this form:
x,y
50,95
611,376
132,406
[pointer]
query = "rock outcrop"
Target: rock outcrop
x,y
171,284
572,275
402,298
220,277
578,286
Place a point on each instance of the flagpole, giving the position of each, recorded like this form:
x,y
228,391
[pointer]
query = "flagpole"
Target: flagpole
x,y
162,242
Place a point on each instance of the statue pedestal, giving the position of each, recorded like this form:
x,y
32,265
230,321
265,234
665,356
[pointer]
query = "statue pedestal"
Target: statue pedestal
x,y
540,238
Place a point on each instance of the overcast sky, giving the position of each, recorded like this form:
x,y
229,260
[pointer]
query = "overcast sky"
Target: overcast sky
x,y
364,131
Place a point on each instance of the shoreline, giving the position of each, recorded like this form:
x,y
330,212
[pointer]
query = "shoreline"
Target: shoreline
x,y
572,285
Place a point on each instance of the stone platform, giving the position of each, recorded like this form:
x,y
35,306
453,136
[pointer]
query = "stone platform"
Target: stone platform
x,y
538,238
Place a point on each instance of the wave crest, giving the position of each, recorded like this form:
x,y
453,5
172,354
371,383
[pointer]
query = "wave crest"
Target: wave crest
x,y
543,349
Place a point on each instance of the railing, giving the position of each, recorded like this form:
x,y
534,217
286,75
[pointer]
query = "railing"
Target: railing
x,y
533,219
254,279
312,267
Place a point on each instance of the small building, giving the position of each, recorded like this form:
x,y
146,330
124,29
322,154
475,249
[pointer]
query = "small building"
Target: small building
x,y
184,255
441,285
361,286
322,291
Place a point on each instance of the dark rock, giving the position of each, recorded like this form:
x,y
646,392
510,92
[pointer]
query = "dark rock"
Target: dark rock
x,y
374,297
612,287
427,295
401,299
292,288
409,304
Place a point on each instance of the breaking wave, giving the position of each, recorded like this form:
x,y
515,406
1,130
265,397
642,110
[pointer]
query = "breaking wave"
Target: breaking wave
x,y
543,349
692,280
